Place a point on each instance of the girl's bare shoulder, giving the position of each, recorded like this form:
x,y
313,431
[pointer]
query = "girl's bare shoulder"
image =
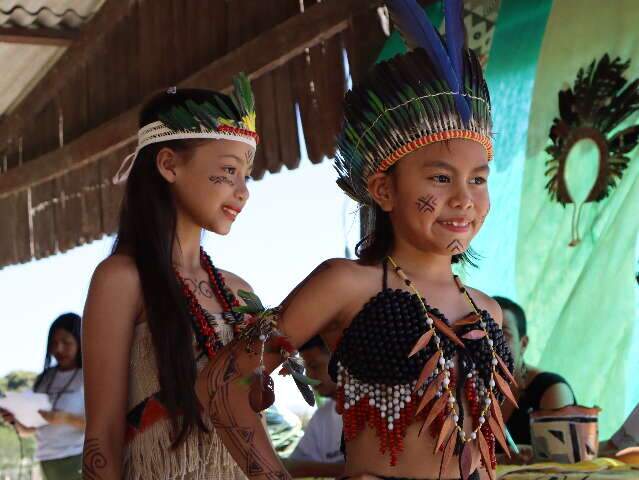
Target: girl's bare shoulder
x,y
116,285
486,302
118,271
348,275
235,282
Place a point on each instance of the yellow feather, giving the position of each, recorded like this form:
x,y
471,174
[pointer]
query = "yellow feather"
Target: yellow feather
x,y
249,121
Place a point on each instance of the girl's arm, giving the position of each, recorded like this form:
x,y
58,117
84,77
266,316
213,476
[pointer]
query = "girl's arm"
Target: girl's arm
x,y
113,304
222,387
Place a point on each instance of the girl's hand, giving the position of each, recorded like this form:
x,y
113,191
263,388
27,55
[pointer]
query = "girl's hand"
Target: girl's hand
x,y
7,416
54,417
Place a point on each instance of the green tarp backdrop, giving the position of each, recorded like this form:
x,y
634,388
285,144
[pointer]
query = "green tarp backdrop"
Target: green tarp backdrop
x,y
582,301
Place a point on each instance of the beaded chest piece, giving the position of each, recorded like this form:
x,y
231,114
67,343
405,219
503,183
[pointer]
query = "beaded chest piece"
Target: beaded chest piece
x,y
396,364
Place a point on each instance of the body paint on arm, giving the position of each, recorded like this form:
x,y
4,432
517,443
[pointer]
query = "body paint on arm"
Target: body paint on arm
x,y
93,460
241,431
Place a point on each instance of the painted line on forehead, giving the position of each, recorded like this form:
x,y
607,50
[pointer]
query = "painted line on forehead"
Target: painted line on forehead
x,y
250,157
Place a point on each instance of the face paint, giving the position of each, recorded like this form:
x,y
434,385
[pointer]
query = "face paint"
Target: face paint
x,y
250,156
455,246
218,180
205,289
426,204
438,198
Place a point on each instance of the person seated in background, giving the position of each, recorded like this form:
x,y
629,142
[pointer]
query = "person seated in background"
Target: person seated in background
x,y
536,390
59,443
284,428
318,453
627,436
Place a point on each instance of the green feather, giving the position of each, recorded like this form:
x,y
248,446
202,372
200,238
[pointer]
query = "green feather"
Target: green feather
x,y
200,113
225,110
179,119
243,94
397,101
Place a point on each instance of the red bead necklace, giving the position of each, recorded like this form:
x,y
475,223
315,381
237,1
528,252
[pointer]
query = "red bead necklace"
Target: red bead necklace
x,y
205,333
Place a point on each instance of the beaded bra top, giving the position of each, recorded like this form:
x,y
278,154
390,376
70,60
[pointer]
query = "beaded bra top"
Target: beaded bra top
x,y
376,378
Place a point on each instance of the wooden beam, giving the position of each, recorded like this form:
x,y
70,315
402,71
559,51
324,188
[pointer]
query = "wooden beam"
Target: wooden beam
x,y
48,87
280,44
38,36
256,57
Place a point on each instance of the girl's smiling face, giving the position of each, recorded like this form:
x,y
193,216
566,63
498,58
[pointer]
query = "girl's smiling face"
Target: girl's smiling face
x,y
437,196
209,183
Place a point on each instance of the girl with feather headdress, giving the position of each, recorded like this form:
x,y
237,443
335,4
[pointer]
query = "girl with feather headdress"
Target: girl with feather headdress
x,y
421,362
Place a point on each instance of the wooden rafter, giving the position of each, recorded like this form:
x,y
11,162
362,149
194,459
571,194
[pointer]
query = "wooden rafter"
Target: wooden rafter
x,y
38,36
285,41
48,87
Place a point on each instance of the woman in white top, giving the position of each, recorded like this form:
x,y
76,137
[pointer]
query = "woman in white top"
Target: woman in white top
x,y
59,443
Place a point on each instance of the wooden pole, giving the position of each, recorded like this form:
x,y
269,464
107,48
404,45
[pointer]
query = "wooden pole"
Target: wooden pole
x,y
38,36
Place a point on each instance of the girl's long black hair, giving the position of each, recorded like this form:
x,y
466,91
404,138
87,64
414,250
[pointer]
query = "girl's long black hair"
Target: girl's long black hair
x,y
71,323
147,233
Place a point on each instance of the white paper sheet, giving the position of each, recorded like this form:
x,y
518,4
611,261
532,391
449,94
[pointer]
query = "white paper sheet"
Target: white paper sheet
x,y
25,405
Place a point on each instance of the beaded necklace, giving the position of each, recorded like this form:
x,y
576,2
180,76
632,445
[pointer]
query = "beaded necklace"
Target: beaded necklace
x,y
205,333
488,424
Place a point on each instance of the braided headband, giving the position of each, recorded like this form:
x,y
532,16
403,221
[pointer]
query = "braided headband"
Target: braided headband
x,y
483,140
158,132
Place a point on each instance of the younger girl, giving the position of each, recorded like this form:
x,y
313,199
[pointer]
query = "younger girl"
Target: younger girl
x,y
420,360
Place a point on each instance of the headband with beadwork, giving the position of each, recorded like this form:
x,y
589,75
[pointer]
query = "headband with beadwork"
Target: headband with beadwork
x,y
433,93
209,120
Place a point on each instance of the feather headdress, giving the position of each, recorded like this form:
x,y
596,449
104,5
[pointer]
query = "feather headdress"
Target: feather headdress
x,y
434,92
222,118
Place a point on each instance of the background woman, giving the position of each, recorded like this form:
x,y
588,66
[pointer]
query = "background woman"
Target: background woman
x,y
59,443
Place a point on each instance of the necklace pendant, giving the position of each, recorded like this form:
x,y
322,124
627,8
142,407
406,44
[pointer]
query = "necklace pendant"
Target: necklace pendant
x,y
261,392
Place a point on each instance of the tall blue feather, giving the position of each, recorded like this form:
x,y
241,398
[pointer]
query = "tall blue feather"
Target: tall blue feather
x,y
455,39
454,34
415,27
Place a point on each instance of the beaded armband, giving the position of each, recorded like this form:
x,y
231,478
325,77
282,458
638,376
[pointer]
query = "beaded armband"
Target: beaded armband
x,y
261,328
